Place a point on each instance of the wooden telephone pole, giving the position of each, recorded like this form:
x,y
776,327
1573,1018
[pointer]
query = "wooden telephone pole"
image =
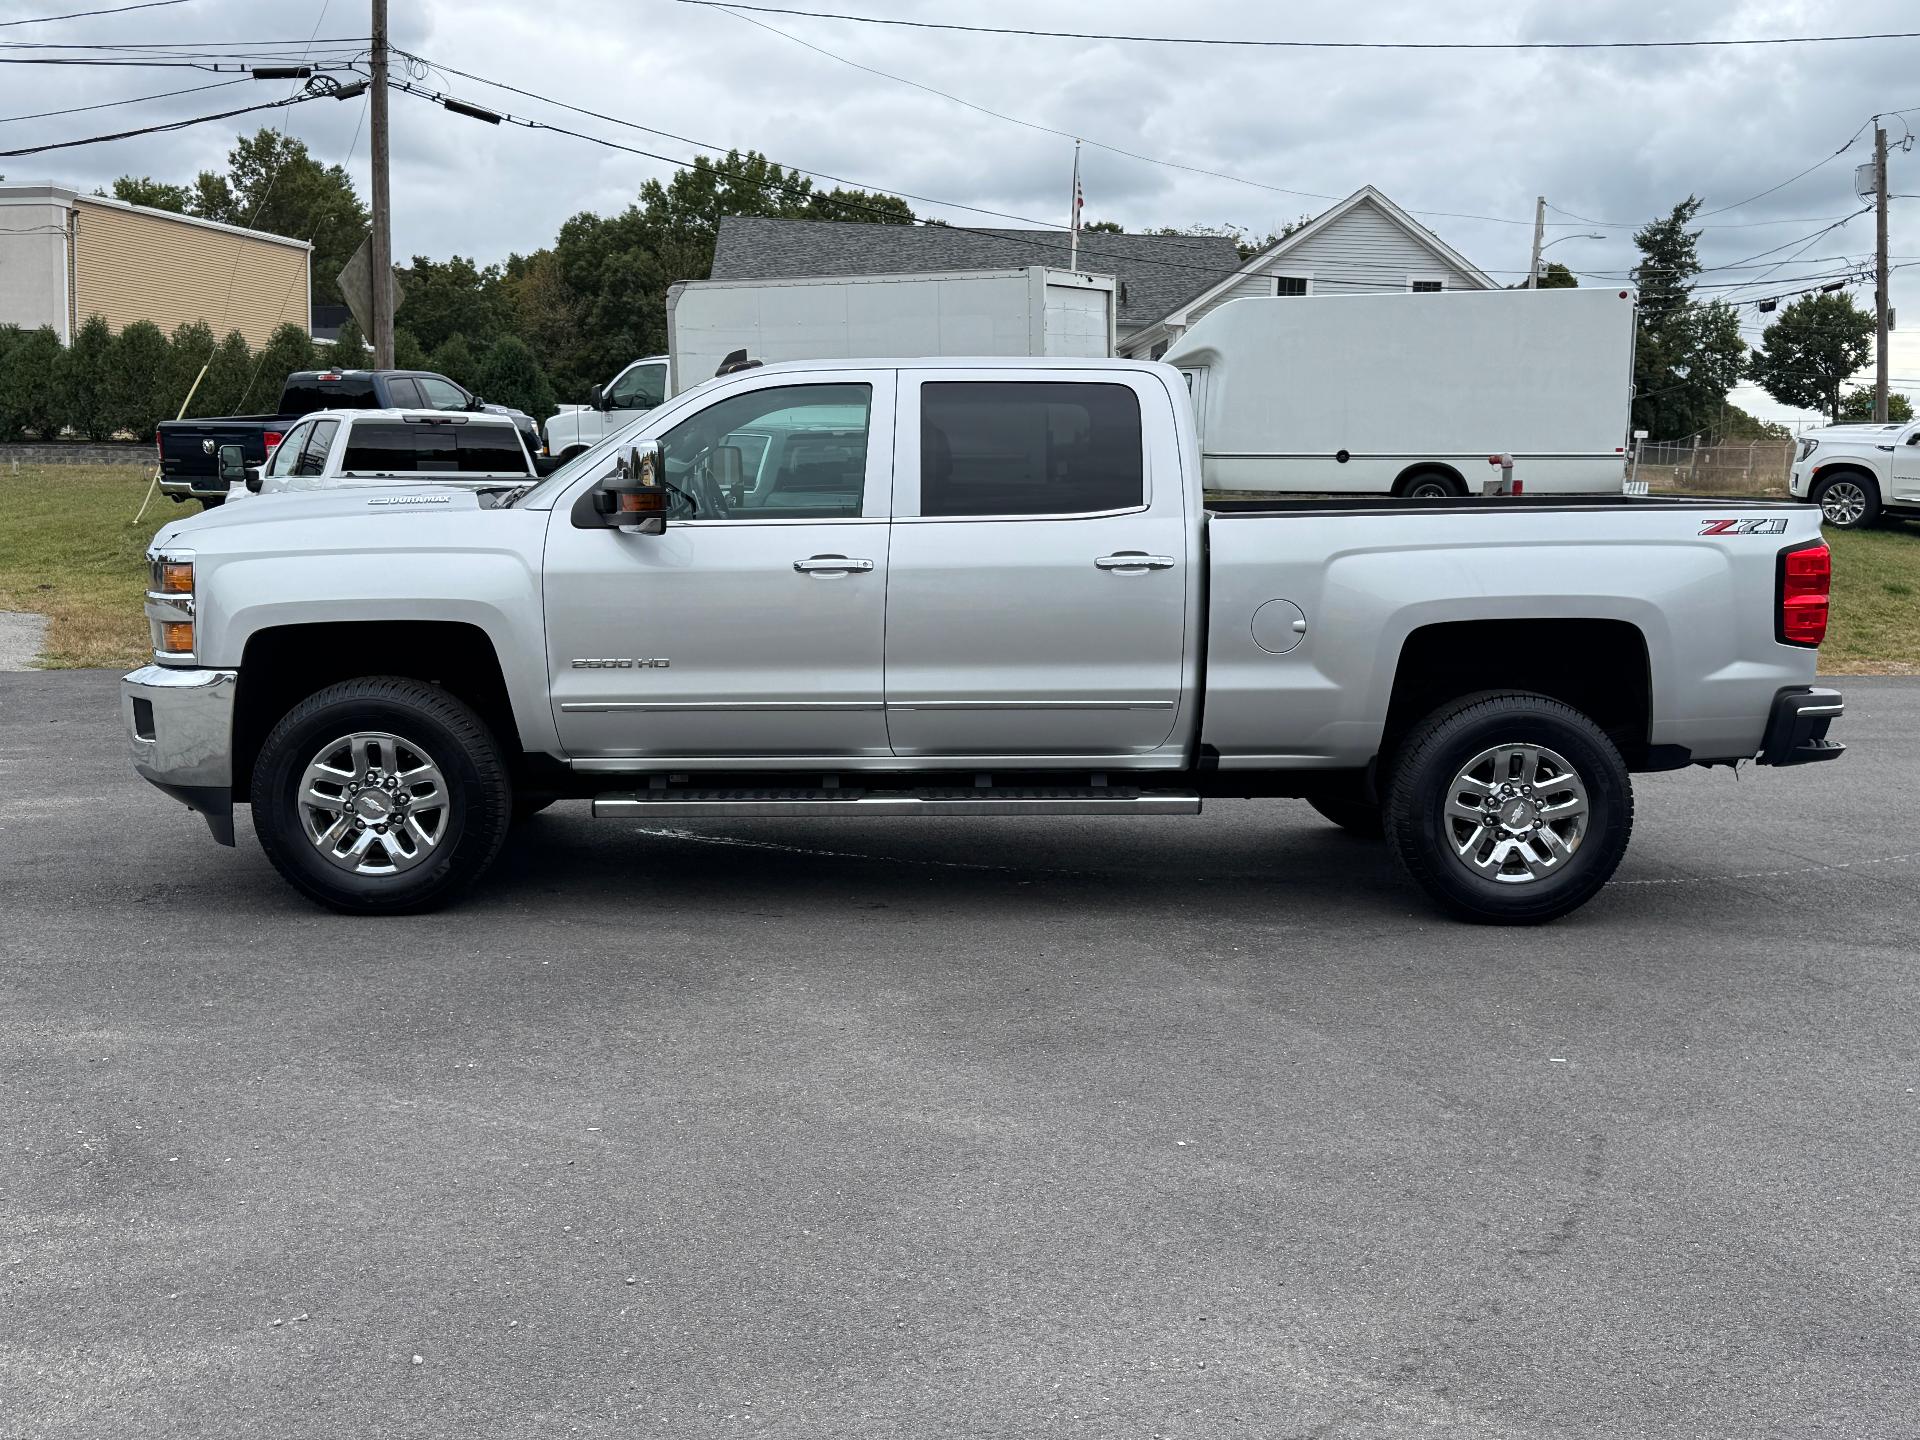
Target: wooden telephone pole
x,y
1880,271
380,270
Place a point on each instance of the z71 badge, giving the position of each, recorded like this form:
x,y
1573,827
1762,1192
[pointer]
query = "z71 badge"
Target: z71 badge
x,y
1744,527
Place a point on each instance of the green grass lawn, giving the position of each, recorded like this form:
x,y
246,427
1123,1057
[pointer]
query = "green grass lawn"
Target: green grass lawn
x,y
70,550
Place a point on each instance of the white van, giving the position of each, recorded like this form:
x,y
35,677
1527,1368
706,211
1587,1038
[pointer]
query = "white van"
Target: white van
x,y
333,448
1408,395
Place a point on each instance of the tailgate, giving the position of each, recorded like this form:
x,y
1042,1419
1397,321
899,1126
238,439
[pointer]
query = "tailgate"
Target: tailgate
x,y
192,447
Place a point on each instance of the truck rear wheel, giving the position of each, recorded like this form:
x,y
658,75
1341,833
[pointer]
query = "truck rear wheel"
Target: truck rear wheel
x,y
381,796
1509,809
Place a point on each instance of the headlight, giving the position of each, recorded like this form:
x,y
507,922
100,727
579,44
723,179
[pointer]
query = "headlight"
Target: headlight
x,y
170,604
1807,447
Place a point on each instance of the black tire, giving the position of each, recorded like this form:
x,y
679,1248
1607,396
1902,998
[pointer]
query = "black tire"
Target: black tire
x,y
1430,485
1353,813
1848,500
479,798
1422,835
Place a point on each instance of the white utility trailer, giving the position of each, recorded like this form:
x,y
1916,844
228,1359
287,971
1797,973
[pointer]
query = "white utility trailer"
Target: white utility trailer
x,y
1392,394
1033,310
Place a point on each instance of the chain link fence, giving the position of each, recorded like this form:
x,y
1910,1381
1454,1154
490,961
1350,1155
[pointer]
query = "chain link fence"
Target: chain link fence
x,y
1759,467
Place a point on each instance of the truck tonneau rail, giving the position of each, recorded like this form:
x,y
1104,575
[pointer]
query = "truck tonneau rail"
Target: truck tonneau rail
x,y
1225,509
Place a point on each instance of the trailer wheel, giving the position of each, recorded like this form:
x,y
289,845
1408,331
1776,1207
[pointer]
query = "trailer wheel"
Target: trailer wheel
x,y
381,796
1509,809
1430,485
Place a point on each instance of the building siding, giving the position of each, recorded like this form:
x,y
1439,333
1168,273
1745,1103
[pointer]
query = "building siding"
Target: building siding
x,y
1364,251
137,265
33,261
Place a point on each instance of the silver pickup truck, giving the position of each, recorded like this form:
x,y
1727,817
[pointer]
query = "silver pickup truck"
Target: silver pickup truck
x,y
962,588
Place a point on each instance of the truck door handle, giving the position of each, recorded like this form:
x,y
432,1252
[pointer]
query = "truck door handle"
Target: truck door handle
x,y
832,565
1133,560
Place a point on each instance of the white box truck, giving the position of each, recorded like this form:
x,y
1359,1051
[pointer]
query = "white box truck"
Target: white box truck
x,y
1033,310
1409,395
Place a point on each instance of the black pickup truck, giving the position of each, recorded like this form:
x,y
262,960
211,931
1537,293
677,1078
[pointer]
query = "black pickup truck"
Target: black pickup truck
x,y
190,449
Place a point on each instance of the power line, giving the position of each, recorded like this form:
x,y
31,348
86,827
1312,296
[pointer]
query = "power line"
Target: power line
x,y
1230,41
86,14
159,129
130,100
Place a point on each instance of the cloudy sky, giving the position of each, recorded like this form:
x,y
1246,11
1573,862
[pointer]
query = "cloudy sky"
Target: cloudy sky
x,y
1614,136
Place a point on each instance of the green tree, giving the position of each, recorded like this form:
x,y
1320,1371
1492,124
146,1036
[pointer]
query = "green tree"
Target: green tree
x,y
83,380
29,384
1102,227
11,425
288,349
350,350
1856,406
137,376
455,360
544,312
229,375
1554,277
455,297
1687,355
409,353
188,348
510,375
1807,355
155,194
273,184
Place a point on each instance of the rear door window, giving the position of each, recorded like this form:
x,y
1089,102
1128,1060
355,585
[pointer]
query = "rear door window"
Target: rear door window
x,y
490,450
394,447
404,394
347,392
995,447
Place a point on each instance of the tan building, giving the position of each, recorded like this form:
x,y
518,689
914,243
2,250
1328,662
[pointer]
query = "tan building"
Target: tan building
x,y
65,256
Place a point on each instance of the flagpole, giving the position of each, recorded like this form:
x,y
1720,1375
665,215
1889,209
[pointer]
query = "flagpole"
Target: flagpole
x,y
1074,223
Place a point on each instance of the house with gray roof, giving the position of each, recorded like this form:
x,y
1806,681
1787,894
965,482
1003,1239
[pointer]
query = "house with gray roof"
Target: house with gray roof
x,y
1165,282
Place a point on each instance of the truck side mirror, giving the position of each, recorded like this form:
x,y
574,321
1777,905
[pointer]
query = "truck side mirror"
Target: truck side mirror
x,y
597,397
631,497
233,463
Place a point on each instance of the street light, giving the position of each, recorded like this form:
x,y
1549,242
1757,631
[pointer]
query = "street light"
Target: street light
x,y
1533,276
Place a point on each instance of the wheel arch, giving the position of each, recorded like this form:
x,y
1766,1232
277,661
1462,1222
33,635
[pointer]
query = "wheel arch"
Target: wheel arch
x,y
1835,468
284,664
1601,667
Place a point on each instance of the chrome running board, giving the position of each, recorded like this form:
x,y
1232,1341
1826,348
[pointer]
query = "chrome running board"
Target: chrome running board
x,y
686,803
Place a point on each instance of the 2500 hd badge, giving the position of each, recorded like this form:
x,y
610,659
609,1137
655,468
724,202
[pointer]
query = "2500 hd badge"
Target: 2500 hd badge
x,y
623,664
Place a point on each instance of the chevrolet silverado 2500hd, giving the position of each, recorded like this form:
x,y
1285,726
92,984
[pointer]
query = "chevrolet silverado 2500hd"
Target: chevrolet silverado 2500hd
x,y
966,588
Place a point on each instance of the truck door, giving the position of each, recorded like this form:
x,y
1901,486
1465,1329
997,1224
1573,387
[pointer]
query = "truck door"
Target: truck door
x,y
1906,469
1038,589
753,628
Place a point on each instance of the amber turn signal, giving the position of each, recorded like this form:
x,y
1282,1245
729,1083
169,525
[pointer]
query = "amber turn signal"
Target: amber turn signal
x,y
176,637
650,501
176,577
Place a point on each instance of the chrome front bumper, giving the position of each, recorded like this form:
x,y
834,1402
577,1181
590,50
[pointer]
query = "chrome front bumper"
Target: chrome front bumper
x,y
180,725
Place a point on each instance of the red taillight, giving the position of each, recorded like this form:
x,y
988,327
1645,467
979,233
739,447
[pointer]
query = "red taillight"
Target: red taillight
x,y
156,444
272,437
1806,578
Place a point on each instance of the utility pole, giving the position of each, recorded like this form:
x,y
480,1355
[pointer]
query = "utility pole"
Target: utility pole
x,y
1880,271
1539,225
380,270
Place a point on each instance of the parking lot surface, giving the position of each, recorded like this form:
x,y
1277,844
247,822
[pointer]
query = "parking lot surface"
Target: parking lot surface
x,y
1028,1127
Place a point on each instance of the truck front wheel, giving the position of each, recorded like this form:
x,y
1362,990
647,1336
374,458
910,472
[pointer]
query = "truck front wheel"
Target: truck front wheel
x,y
1848,500
381,796
1509,809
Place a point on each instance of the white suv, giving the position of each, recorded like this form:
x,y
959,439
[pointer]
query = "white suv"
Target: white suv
x,y
1856,473
333,448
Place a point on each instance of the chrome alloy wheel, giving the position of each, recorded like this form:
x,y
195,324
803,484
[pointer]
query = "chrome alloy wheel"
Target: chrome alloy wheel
x,y
1516,813
1843,503
373,803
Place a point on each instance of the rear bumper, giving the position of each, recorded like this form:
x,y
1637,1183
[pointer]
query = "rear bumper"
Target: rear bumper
x,y
1797,727
199,487
180,727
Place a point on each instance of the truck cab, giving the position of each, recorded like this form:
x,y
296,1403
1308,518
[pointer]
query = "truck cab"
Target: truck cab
x,y
636,389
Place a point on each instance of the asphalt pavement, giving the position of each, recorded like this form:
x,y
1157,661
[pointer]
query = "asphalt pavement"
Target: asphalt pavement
x,y
1183,1127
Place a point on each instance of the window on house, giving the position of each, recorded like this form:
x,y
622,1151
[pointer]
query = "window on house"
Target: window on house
x,y
1158,351
1426,287
1291,285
